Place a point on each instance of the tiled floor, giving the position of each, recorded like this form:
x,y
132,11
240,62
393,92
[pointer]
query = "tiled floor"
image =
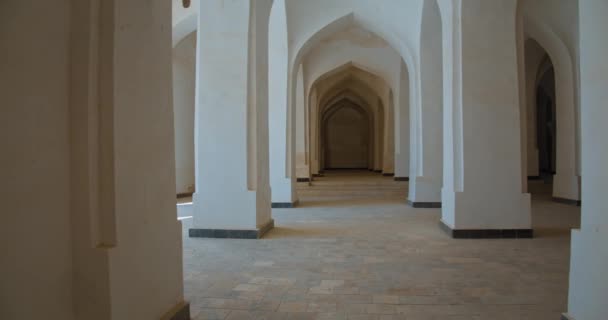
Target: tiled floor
x,y
355,250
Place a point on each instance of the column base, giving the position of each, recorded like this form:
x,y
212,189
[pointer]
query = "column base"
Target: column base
x,y
388,174
402,178
179,312
231,233
424,205
486,233
567,201
284,205
302,179
184,195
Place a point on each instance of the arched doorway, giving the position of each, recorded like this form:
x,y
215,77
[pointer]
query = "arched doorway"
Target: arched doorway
x,y
346,137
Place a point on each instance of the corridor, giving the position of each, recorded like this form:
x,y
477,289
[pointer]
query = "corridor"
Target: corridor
x,y
353,249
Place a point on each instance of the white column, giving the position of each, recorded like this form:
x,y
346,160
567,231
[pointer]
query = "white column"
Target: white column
x,y
388,163
314,132
379,135
402,126
427,116
232,189
279,114
302,165
482,186
589,255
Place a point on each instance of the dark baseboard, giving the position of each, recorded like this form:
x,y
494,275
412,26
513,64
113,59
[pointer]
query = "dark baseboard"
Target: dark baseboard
x,y
231,234
402,178
566,316
284,205
487,233
567,201
378,171
388,174
179,312
424,205
302,179
184,195
535,178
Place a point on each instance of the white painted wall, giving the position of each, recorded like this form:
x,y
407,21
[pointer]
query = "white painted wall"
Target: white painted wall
x,y
589,255
36,265
184,67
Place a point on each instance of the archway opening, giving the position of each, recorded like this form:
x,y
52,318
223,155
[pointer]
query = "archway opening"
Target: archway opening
x,y
546,123
346,137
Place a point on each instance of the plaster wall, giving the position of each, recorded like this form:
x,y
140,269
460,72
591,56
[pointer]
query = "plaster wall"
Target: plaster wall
x,y
36,266
589,257
184,66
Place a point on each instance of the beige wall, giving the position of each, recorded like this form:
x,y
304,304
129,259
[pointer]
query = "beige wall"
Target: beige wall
x,y
87,180
34,168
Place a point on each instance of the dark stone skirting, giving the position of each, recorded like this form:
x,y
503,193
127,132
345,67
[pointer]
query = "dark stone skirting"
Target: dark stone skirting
x,y
184,195
388,174
566,316
302,179
284,205
424,205
567,201
179,312
487,233
231,234
377,171
402,178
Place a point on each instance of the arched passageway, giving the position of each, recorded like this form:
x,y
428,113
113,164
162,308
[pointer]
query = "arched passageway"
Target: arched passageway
x,y
551,149
346,137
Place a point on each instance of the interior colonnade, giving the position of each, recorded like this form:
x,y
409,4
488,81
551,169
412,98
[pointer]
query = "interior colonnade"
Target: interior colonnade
x,y
467,99
421,102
